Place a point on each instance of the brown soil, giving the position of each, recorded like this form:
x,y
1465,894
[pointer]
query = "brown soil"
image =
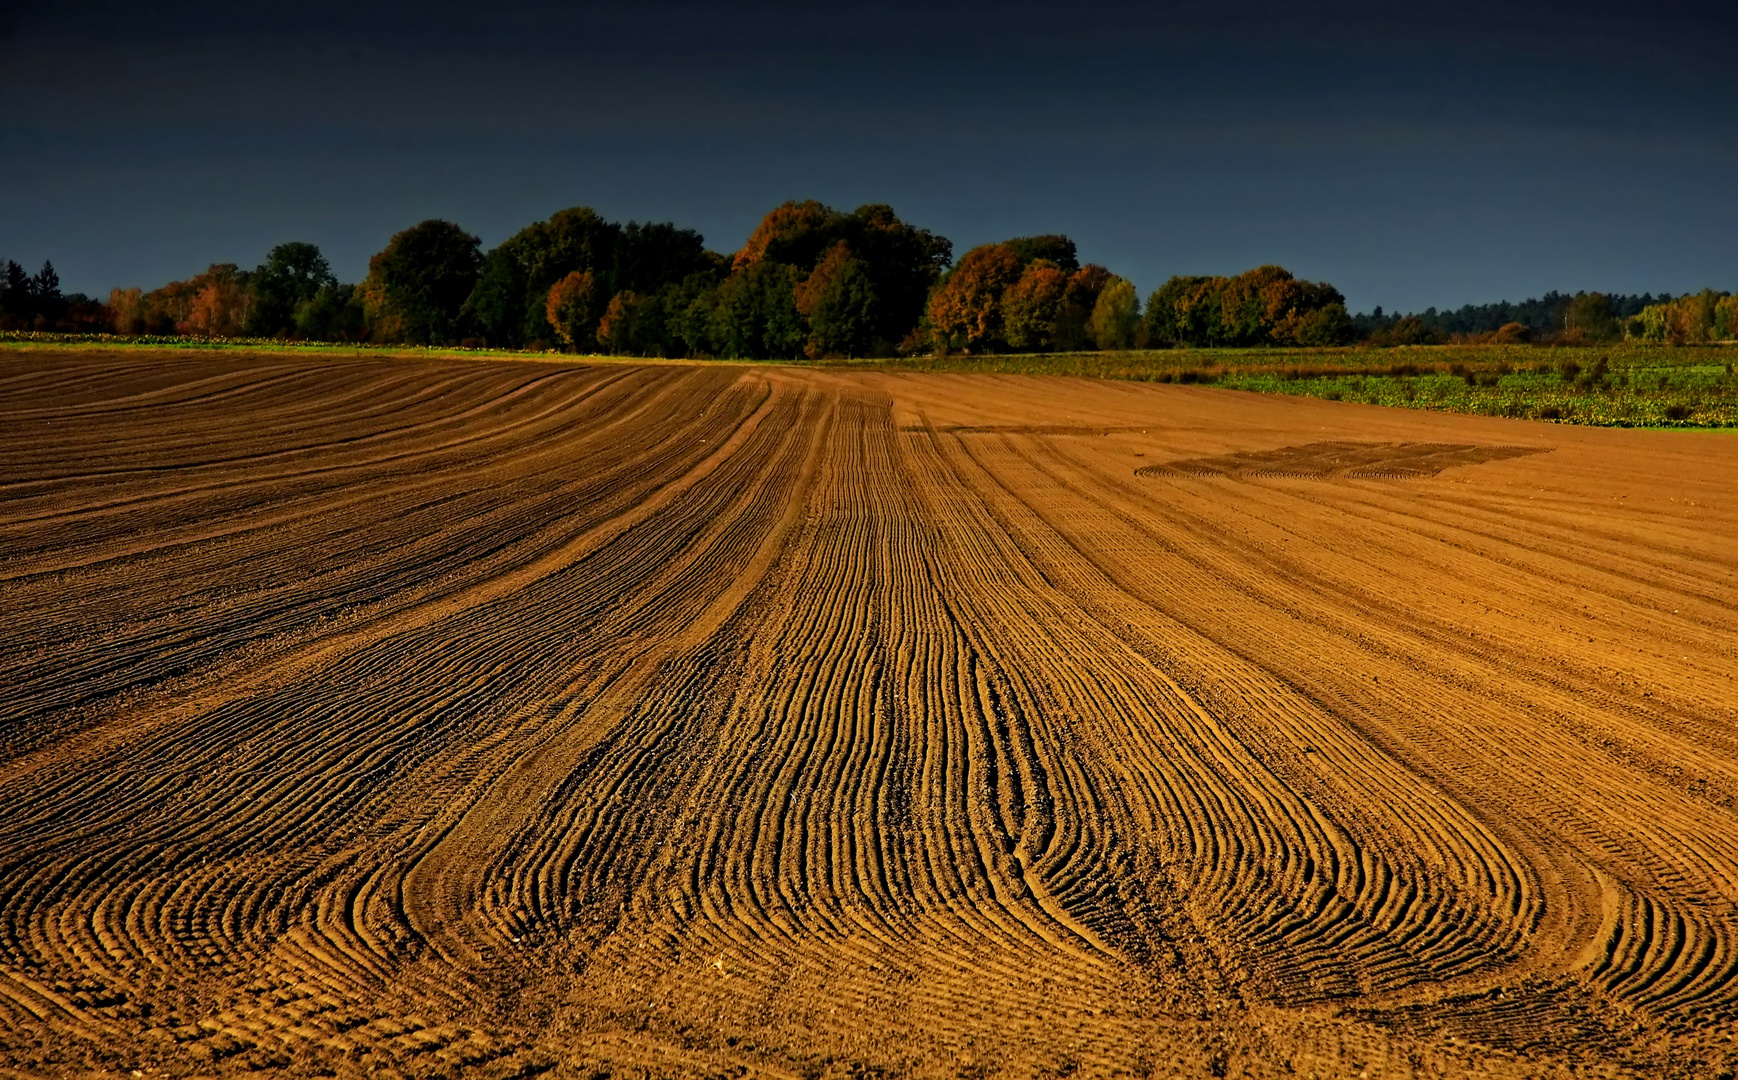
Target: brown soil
x,y
494,718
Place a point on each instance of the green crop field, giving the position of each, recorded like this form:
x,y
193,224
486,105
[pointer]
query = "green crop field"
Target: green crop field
x,y
1613,386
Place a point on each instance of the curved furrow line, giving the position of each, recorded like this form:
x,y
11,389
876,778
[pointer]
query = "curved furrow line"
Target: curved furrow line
x,y
93,504
311,404
133,450
406,422
1686,828
1005,623
1380,613
505,531
777,912
320,503
1681,827
993,881
247,830
1533,582
72,510
1322,915
687,517
1420,705
1584,541
227,382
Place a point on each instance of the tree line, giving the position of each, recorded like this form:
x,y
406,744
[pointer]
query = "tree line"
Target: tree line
x,y
34,302
1589,317
811,281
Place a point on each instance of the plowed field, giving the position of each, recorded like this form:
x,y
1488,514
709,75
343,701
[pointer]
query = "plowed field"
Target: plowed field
x,y
486,718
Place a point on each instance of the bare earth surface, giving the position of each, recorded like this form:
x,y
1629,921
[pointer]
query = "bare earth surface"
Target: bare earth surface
x,y
494,718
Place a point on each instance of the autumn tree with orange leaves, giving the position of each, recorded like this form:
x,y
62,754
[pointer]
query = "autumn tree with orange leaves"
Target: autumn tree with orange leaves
x,y
1031,306
865,275
966,310
575,305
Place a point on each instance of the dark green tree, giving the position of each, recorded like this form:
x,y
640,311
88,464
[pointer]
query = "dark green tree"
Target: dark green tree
x,y
839,300
333,313
1176,312
1327,325
1115,315
1590,317
690,310
757,316
418,285
508,305
902,264
635,325
17,303
32,301
651,256
1054,247
1409,330
293,274
1078,301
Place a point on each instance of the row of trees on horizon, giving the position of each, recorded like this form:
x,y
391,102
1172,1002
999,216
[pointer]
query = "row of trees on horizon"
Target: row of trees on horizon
x,y
811,281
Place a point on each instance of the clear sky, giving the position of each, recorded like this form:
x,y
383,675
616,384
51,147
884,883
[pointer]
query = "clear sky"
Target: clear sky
x,y
1416,154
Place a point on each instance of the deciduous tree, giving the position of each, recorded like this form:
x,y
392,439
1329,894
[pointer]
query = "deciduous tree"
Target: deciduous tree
x,y
1032,305
690,310
417,286
510,300
573,307
1589,317
898,263
128,308
795,233
333,313
619,332
756,314
1264,306
902,263
1078,300
1053,247
966,308
221,308
1688,320
839,301
655,254
291,275
1115,315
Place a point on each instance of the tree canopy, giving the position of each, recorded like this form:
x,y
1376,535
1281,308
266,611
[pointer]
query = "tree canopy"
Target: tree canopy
x,y
292,275
996,298
1263,306
509,306
32,301
418,285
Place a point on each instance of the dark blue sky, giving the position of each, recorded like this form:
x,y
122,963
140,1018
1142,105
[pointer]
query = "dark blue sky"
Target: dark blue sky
x,y
1422,154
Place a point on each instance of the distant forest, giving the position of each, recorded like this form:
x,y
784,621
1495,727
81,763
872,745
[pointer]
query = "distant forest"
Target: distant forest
x,y
1544,316
811,281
